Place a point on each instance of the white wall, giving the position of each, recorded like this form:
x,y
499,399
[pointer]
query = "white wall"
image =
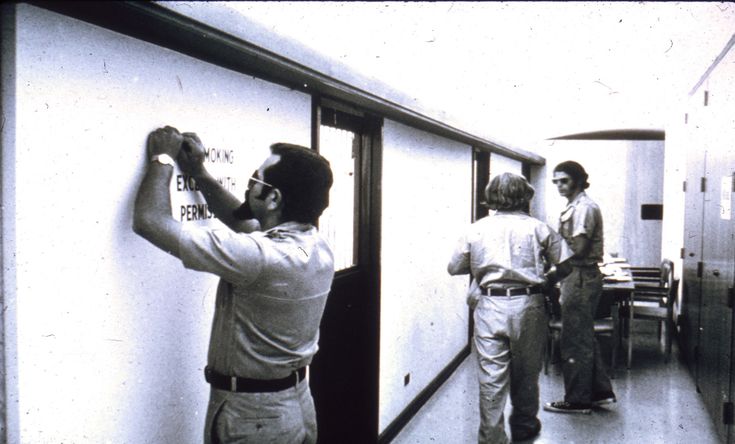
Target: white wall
x,y
623,175
424,318
678,142
107,335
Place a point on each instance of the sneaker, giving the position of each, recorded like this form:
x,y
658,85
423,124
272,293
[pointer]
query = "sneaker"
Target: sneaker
x,y
527,434
603,398
567,407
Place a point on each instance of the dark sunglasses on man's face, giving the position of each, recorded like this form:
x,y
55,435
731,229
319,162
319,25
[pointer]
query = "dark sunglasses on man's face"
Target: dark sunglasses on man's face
x,y
563,181
254,179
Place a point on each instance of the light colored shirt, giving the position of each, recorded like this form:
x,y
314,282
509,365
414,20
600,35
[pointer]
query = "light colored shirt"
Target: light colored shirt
x,y
270,298
508,250
582,217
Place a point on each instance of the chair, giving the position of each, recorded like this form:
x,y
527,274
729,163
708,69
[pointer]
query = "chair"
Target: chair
x,y
653,299
606,323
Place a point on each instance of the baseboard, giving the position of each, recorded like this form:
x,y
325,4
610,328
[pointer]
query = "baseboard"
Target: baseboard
x,y
397,425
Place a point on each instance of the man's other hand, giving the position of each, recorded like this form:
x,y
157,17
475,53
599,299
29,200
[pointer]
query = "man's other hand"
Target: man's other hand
x,y
192,154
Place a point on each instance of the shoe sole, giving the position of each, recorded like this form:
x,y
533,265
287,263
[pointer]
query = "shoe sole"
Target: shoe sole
x,y
575,411
606,401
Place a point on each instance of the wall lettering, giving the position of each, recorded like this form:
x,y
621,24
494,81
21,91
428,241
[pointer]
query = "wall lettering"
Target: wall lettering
x,y
187,200
219,156
195,212
184,182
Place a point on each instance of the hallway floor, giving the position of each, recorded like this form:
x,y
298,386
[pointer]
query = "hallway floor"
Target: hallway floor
x,y
657,403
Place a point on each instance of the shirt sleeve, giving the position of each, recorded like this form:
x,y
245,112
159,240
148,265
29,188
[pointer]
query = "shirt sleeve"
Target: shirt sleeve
x,y
583,221
235,257
460,261
556,249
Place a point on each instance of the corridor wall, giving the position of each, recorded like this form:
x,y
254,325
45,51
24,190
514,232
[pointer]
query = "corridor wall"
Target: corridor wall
x,y
424,317
99,324
105,335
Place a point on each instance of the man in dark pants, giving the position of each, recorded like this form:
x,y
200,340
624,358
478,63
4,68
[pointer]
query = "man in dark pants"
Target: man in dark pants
x,y
275,272
586,382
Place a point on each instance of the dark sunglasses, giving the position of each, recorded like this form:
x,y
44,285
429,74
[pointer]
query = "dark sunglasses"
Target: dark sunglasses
x,y
254,179
563,181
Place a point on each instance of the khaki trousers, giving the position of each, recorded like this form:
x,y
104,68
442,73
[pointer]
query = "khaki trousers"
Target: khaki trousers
x,y
285,417
510,335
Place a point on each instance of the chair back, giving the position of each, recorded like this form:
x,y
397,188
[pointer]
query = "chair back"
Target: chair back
x,y
667,273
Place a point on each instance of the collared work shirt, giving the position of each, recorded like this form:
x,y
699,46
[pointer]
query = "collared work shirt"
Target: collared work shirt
x,y
270,298
582,217
507,250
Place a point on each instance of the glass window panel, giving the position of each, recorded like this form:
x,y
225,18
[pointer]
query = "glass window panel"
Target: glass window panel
x,y
337,222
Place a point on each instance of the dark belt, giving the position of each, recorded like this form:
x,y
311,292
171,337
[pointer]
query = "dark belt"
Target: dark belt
x,y
247,385
534,289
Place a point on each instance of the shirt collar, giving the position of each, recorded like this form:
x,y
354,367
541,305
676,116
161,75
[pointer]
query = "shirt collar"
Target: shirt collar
x,y
290,226
576,200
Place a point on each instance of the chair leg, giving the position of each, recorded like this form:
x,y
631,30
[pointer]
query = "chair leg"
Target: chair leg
x,y
613,359
668,335
630,336
630,350
553,350
547,352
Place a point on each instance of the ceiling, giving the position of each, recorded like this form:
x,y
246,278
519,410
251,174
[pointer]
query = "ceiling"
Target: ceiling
x,y
519,72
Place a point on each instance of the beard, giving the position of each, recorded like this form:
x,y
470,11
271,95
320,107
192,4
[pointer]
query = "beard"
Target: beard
x,y
244,212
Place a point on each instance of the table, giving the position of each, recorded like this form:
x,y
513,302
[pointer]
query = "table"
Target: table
x,y
621,294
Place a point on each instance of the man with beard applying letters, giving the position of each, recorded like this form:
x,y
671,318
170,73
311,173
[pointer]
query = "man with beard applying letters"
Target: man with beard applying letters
x,y
275,273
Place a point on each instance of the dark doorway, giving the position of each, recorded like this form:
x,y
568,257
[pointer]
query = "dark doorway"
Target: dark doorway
x,y
345,371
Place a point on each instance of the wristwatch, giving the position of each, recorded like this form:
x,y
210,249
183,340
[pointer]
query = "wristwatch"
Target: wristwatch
x,y
163,159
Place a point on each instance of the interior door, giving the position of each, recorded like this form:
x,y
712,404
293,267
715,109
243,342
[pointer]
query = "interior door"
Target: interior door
x,y
691,282
717,267
718,271
345,371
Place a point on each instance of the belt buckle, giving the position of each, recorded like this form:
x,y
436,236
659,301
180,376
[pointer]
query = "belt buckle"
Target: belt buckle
x,y
233,383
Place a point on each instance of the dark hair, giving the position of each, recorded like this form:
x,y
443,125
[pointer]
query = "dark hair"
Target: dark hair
x,y
304,178
509,192
575,171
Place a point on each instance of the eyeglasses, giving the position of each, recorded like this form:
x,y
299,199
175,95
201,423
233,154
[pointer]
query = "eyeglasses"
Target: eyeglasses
x,y
254,179
563,181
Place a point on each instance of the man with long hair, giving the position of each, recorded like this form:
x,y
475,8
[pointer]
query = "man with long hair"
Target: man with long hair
x,y
586,382
508,254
